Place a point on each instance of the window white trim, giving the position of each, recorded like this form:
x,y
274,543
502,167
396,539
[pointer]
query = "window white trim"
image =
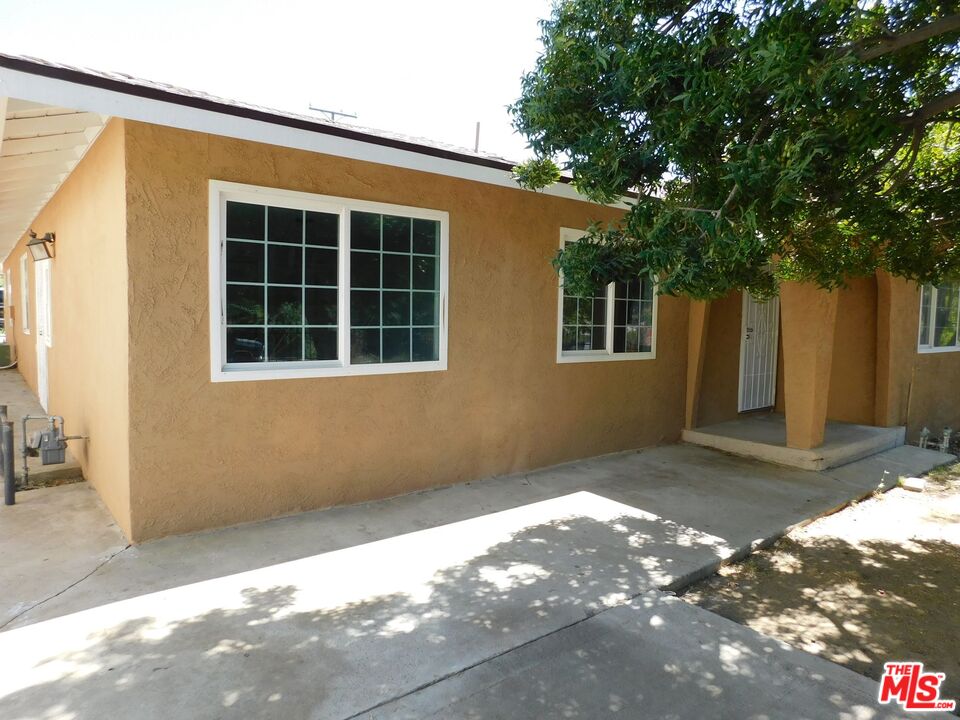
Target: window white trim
x,y
219,193
925,345
570,235
24,294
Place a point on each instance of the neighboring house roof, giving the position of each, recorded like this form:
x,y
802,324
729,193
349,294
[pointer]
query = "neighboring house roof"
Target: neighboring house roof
x,y
38,88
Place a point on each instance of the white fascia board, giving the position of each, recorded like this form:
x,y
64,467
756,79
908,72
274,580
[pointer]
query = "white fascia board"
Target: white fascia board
x,y
53,91
3,115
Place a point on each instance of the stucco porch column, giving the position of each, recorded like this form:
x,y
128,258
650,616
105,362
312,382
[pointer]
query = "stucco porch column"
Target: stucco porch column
x,y
808,320
898,315
696,351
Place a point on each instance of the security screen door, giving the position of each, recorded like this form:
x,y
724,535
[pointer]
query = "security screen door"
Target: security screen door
x,y
758,353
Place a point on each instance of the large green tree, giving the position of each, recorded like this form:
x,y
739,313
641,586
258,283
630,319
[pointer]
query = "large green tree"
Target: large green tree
x,y
756,141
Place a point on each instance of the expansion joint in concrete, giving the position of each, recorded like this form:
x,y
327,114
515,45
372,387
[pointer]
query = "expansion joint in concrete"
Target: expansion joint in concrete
x,y
69,587
460,671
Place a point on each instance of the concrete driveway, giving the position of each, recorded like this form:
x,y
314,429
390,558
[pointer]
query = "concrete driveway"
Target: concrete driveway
x,y
528,596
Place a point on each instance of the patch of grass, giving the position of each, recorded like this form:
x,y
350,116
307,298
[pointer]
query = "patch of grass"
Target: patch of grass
x,y
946,475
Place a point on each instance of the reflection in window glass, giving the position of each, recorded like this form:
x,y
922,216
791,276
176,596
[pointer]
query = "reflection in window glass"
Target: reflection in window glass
x,y
584,323
394,289
282,290
940,316
946,315
281,284
633,316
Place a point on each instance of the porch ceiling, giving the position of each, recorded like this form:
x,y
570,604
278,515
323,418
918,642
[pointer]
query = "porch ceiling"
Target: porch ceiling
x,y
39,146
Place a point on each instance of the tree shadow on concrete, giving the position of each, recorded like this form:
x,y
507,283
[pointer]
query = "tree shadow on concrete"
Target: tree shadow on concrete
x,y
277,645
858,605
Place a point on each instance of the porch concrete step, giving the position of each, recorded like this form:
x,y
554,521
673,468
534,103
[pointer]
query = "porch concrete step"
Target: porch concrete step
x,y
764,437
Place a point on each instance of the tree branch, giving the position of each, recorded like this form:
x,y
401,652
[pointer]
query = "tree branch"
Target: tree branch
x,y
677,17
926,113
753,141
903,171
873,48
887,157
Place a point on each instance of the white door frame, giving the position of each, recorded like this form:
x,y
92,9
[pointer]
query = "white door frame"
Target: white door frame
x,y
44,332
759,340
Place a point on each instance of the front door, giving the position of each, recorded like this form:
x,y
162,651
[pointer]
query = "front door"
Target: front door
x,y
43,329
758,353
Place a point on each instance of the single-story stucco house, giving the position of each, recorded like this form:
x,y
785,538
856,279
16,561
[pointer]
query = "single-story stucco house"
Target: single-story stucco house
x,y
250,313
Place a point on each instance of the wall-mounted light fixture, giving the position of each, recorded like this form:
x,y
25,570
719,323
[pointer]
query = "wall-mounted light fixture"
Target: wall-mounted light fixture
x,y
41,248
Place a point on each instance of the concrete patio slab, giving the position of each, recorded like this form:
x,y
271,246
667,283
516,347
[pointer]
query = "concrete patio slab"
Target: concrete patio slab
x,y
332,613
655,657
730,503
763,436
52,538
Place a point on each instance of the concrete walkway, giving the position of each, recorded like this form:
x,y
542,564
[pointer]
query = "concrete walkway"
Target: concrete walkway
x,y
536,595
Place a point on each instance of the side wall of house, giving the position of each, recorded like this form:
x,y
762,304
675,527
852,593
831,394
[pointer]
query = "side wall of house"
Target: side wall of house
x,y
932,380
87,361
207,454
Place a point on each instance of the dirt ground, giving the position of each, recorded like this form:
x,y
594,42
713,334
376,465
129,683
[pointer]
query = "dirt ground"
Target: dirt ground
x,y
875,582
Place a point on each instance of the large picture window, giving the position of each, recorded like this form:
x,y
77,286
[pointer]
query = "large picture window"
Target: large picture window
x,y
940,317
619,323
307,286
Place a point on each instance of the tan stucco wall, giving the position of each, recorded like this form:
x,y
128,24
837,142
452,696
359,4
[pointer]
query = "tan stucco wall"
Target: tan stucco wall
x,y
853,371
932,380
88,360
205,454
721,367
935,397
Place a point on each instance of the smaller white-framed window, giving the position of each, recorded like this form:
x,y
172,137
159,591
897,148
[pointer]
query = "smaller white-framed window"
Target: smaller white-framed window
x,y
619,323
25,294
939,318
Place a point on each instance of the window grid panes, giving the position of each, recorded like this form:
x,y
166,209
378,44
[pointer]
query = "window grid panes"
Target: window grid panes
x,y
940,316
394,289
618,321
584,323
281,284
633,316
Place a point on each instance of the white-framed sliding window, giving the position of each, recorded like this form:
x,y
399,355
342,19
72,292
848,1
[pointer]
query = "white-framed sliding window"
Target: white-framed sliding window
x,y
25,294
305,285
940,318
620,323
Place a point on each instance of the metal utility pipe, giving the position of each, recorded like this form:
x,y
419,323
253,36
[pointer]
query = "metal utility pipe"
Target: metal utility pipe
x,y
23,439
9,479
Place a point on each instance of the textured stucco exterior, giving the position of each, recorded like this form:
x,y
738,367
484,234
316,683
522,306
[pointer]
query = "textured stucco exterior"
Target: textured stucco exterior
x,y
170,451
853,370
206,454
721,365
88,359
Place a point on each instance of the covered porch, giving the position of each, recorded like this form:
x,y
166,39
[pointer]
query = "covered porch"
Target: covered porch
x,y
812,379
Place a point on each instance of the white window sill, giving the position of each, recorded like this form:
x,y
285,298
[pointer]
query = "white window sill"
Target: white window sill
x,y
600,356
929,349
245,373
